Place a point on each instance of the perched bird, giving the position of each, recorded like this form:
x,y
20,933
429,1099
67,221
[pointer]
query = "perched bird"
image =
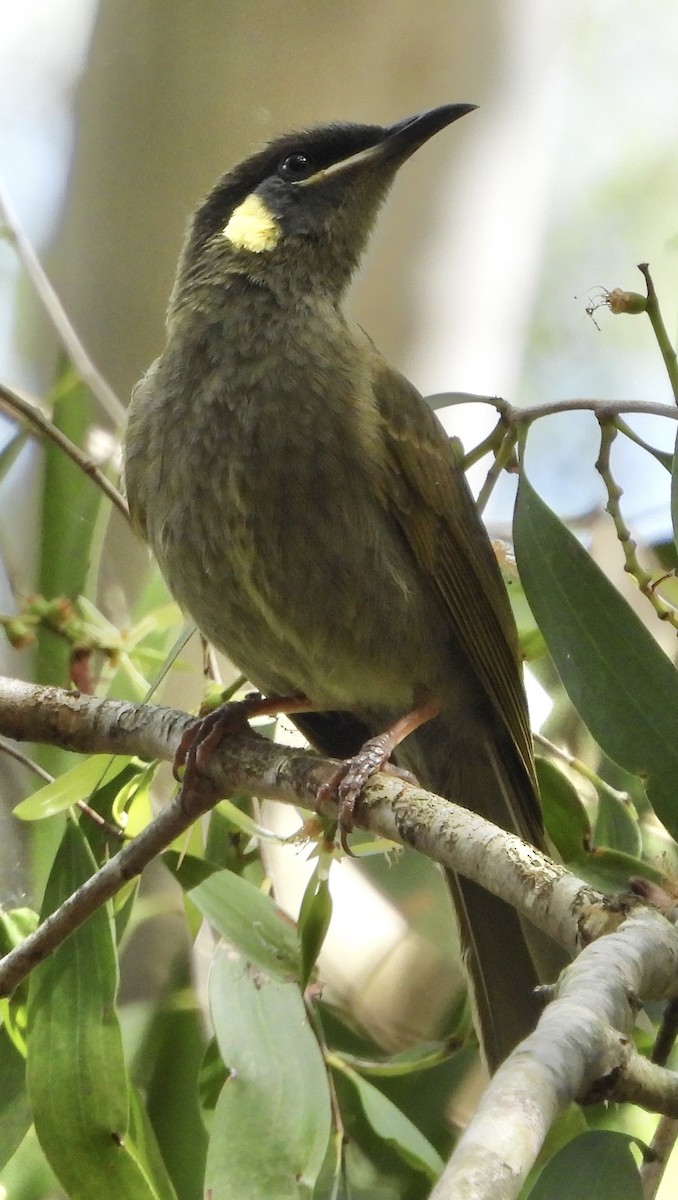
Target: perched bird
x,y
308,511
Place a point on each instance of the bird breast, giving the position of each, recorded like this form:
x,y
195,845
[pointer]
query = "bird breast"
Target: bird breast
x,y
259,492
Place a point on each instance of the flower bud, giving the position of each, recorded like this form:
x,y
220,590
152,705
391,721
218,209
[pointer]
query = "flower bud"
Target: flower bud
x,y
625,302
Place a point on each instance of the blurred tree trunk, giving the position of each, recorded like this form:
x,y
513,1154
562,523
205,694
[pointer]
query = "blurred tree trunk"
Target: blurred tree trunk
x,y
174,93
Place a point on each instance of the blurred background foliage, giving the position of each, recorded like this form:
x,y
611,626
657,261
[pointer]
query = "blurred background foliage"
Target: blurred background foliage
x,y
116,118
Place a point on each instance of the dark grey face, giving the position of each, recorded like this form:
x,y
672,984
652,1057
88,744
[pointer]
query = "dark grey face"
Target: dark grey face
x,y
274,174
303,207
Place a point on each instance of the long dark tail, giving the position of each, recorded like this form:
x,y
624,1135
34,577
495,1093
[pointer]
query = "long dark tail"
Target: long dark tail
x,y
505,958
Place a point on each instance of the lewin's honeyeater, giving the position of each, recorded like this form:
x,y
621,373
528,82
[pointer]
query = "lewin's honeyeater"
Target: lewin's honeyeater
x,y
308,511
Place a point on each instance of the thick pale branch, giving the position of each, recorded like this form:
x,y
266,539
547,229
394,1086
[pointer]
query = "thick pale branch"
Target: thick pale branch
x,y
581,1046
550,896
580,1050
73,721
639,1081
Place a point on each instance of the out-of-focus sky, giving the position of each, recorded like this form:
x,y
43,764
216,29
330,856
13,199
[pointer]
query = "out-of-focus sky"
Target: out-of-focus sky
x,y
562,181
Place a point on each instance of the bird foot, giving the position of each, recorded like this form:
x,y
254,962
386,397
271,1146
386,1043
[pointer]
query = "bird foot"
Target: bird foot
x,y
347,782
206,734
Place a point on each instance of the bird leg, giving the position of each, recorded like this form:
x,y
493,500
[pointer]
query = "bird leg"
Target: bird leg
x,y
348,781
206,734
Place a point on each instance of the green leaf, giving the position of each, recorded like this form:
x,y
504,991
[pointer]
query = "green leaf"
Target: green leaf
x,y
250,922
163,619
76,784
76,1075
610,870
393,1127
189,870
211,1079
272,1123
622,684
145,1150
10,451
245,823
15,1113
70,505
15,926
315,915
598,1165
565,817
568,826
173,1050
129,797
408,1062
616,826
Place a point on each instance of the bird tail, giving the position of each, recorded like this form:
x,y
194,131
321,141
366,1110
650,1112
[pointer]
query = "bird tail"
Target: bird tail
x,y
506,958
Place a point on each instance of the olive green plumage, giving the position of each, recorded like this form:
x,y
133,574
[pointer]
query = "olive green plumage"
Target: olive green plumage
x,y
308,511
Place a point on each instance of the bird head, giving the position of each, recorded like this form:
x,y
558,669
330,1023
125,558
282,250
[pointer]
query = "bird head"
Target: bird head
x,y
299,212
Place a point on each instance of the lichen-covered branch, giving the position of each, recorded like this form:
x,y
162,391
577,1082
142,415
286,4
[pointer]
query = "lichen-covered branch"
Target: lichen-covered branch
x,y
580,1050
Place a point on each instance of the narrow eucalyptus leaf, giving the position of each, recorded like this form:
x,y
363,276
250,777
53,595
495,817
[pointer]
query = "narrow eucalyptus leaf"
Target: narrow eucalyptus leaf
x,y
394,1128
76,1077
250,922
597,1164
314,921
271,1127
15,1113
622,684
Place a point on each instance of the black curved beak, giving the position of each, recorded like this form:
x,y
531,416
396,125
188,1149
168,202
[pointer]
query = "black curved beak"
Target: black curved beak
x,y
396,145
403,138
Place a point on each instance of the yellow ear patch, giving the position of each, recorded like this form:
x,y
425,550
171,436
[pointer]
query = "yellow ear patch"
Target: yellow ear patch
x,y
252,226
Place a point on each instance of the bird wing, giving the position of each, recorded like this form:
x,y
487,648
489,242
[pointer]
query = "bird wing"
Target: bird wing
x,y
426,489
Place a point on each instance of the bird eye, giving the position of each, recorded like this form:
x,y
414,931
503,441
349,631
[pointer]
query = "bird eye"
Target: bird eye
x,y
295,167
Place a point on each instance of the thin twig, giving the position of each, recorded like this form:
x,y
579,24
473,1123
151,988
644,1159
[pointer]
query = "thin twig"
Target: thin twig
x,y
341,1136
488,444
632,564
602,408
657,322
502,457
576,764
57,315
105,883
19,756
31,415
513,415
634,437
13,752
653,1168
668,1032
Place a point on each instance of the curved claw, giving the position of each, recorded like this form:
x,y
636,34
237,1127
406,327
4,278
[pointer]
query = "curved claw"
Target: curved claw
x,y
348,781
205,735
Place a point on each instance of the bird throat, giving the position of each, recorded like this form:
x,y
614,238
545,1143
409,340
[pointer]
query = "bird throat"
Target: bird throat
x,y
252,226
